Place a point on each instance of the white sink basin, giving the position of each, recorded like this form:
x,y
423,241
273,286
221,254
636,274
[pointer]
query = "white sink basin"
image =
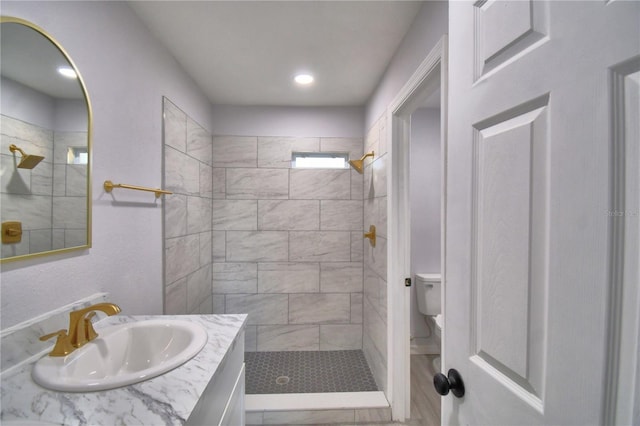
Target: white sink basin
x,y
122,355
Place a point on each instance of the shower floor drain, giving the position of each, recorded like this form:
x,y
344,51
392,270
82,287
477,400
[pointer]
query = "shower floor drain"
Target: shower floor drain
x,y
282,380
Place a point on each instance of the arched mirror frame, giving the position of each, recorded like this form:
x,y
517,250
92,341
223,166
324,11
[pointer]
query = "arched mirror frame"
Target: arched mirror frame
x,y
11,19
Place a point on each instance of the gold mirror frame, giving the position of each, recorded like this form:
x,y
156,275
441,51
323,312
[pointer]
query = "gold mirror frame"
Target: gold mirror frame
x,y
56,44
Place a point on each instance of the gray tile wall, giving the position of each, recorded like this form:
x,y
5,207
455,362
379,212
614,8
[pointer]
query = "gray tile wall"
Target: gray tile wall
x,y
287,243
188,212
283,245
50,199
69,192
375,258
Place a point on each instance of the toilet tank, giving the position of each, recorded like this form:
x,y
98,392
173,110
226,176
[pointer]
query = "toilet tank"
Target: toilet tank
x,y
428,289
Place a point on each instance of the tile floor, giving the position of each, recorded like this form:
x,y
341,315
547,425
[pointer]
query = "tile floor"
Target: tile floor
x,y
307,372
425,402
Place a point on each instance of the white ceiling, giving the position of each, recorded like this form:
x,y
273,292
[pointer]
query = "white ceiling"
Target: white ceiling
x,y
247,52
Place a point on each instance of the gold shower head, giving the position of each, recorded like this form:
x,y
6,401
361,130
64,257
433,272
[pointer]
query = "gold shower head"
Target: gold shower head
x,y
27,161
358,165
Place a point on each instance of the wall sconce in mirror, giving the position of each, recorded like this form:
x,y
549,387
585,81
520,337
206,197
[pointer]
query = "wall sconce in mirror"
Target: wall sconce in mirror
x,y
46,119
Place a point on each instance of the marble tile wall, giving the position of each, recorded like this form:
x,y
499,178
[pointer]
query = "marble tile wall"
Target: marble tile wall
x,y
287,243
188,212
375,258
22,341
245,233
50,199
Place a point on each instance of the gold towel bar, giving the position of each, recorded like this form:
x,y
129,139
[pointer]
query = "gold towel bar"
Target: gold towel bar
x,y
108,187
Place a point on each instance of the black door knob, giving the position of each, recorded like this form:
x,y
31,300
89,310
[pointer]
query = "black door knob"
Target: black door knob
x,y
453,383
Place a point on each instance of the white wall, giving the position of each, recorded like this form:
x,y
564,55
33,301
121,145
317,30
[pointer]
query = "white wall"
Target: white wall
x,y
430,25
70,115
425,203
340,122
427,29
126,72
26,104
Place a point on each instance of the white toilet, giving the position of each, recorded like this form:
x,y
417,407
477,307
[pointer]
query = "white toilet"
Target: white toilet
x,y
429,291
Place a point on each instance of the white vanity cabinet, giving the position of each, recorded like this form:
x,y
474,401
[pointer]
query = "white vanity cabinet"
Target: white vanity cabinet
x,y
206,390
234,412
222,402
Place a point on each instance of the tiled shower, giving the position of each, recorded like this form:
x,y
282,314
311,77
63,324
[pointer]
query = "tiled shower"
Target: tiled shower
x,y
246,233
56,188
287,246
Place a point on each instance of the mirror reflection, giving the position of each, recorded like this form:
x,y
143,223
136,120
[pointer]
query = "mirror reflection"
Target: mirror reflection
x,y
44,145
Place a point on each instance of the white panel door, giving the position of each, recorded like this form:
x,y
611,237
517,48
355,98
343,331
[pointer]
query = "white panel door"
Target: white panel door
x,y
529,183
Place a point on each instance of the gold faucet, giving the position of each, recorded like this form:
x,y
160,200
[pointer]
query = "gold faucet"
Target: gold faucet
x,y
80,326
81,329
63,345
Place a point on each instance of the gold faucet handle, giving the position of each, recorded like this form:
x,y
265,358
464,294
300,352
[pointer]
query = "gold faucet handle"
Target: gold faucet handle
x,y
63,345
78,324
90,332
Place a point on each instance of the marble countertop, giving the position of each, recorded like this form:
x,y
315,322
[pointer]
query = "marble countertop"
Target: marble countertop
x,y
168,399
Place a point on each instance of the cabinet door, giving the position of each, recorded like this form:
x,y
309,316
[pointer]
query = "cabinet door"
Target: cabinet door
x,y
214,403
234,412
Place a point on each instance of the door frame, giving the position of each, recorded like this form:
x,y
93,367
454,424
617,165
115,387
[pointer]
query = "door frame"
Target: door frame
x,y
430,74
621,391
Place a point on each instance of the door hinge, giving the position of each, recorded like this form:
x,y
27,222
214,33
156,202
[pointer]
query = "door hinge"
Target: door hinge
x,y
407,282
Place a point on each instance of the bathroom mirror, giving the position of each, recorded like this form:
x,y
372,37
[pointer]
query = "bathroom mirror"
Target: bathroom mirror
x,y
45,146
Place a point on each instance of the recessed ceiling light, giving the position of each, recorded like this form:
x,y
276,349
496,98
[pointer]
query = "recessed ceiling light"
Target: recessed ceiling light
x,y
304,79
67,72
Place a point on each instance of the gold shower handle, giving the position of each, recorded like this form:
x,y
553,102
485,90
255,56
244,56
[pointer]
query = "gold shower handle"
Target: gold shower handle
x,y
11,232
371,235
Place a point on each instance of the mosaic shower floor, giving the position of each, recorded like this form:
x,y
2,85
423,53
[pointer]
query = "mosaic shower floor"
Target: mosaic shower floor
x,y
307,372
